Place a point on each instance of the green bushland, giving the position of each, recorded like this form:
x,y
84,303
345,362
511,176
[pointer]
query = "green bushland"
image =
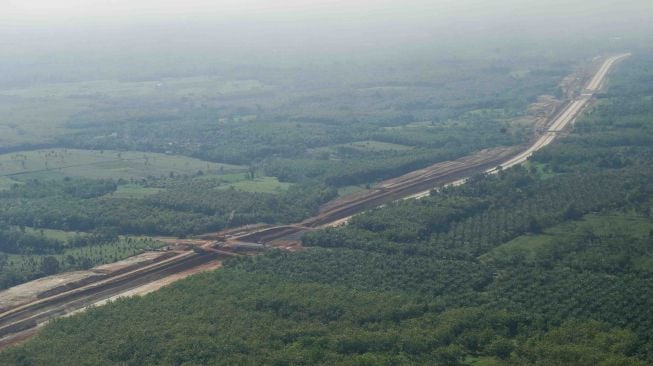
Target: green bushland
x,y
172,206
187,155
28,253
101,164
131,190
257,185
512,269
6,183
39,114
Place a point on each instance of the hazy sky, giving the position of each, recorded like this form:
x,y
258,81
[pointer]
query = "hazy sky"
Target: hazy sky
x,y
64,34
25,10
29,12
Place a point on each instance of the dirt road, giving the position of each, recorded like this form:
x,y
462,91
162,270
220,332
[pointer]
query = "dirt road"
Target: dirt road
x,y
20,322
568,115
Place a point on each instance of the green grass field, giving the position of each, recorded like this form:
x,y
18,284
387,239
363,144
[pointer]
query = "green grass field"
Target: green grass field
x,y
542,170
528,246
54,234
532,246
420,124
134,191
256,185
6,183
180,87
371,145
59,163
628,224
365,146
350,190
36,121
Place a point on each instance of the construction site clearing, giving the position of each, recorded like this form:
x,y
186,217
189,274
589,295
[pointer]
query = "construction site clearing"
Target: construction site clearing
x,y
52,285
252,238
29,305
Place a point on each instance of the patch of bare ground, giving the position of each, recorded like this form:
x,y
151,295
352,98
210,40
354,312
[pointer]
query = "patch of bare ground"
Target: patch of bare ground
x,y
157,285
539,113
19,338
289,245
25,335
30,291
420,175
177,241
336,223
47,286
233,231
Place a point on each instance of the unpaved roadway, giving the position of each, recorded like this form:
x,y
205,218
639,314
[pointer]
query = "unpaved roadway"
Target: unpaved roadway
x,y
21,321
568,115
563,119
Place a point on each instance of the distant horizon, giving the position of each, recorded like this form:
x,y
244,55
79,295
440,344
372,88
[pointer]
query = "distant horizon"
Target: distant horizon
x,y
39,13
126,39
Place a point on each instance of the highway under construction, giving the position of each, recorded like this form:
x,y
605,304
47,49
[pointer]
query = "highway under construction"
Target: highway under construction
x,y
21,320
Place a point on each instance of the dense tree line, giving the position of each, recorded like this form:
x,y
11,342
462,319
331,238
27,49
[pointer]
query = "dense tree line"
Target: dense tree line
x,y
186,206
16,240
63,256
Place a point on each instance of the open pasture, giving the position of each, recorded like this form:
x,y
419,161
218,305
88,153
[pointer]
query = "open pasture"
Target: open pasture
x,y
106,164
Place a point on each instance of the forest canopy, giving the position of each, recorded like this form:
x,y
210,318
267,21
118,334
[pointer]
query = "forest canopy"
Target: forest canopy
x,y
543,264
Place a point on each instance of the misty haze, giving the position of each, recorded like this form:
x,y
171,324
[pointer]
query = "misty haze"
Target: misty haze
x,y
326,182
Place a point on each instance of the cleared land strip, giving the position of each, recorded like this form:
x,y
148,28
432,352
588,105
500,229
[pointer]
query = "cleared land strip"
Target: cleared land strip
x,y
419,183
563,119
22,320
568,116
31,315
